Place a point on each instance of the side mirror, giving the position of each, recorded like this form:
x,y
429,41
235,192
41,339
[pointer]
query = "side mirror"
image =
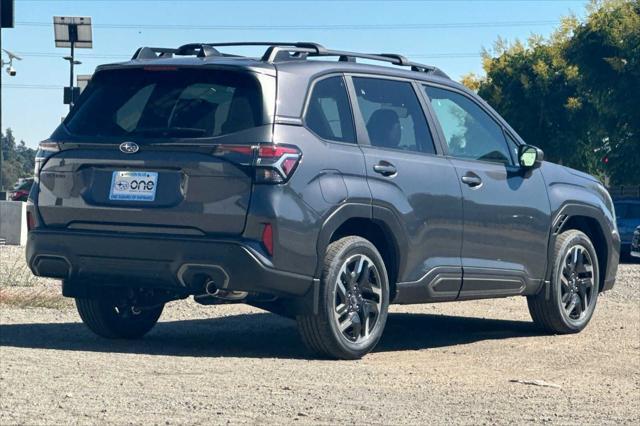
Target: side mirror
x,y
530,156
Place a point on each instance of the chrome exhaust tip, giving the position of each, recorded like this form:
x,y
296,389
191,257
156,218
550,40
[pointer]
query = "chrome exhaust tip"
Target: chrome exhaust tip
x,y
212,290
231,296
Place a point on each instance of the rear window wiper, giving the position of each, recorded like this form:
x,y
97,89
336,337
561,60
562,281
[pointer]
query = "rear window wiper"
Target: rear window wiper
x,y
170,131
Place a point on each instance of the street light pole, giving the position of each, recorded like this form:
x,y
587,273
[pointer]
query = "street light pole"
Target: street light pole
x,y
73,32
71,62
73,37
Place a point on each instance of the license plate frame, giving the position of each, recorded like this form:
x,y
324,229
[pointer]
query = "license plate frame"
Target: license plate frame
x,y
130,185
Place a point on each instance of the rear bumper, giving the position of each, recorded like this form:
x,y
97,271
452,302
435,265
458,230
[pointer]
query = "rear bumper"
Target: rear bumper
x,y
164,262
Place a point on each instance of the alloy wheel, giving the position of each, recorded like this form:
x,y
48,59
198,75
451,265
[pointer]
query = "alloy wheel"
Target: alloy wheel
x,y
577,283
358,298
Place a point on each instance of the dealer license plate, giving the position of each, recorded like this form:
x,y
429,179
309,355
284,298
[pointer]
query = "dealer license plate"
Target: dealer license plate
x,y
133,186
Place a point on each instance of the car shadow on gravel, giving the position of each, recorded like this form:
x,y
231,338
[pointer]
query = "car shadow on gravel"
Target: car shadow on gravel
x,y
259,335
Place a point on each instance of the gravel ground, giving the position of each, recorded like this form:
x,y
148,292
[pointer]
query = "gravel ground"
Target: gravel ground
x,y
465,363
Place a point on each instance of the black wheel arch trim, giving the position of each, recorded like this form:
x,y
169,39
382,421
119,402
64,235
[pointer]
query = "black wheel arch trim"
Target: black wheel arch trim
x,y
573,209
381,215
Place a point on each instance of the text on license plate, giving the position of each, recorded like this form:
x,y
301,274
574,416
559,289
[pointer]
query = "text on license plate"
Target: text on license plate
x,y
133,186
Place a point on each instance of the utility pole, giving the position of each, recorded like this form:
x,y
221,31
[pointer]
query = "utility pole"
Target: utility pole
x,y
6,21
3,196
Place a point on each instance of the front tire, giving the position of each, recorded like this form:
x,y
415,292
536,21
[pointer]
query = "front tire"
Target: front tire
x,y
354,302
571,301
106,318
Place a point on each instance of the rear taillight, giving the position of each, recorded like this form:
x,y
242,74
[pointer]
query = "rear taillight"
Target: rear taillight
x,y
273,164
234,149
276,163
31,223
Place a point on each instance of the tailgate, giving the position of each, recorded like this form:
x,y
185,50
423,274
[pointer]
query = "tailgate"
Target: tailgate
x,y
192,192
137,152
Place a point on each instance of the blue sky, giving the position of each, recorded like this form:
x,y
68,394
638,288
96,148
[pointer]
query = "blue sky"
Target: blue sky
x,y
449,34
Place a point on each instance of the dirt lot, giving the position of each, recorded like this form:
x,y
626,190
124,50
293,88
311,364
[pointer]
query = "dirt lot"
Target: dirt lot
x,y
446,363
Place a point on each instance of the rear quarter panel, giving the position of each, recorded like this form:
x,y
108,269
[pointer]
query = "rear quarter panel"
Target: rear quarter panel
x,y
330,177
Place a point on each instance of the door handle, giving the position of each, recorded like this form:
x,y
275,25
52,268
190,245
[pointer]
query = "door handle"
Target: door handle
x,y
385,168
472,180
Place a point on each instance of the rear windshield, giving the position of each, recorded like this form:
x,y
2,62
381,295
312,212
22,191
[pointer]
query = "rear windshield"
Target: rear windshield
x,y
167,102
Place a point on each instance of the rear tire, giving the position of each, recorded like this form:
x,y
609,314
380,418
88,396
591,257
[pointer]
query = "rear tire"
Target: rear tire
x,y
574,286
106,319
354,301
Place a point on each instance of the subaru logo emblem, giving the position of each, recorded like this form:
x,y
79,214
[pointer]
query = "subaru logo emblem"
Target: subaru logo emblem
x,y
129,147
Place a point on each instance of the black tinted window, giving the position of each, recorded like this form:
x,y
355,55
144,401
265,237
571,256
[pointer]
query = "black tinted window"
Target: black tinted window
x,y
328,113
185,103
628,210
393,115
469,131
621,210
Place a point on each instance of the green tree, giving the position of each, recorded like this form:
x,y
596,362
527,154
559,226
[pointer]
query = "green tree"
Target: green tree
x,y
575,94
606,51
18,159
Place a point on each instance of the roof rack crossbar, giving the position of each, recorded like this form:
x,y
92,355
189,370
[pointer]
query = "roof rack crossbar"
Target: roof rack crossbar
x,y
153,53
201,50
400,60
309,45
197,49
285,51
282,53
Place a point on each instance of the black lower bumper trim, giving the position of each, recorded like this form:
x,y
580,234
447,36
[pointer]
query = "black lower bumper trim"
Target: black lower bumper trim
x,y
180,264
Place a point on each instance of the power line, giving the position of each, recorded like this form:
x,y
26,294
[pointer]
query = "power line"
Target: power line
x,y
60,55
31,86
182,27
304,1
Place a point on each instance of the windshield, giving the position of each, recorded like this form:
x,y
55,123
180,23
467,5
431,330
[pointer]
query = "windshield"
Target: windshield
x,y
167,102
25,185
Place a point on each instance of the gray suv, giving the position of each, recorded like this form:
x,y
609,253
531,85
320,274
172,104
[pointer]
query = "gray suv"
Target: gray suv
x,y
322,190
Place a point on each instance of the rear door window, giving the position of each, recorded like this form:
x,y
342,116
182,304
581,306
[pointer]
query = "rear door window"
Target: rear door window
x,y
328,113
182,103
393,115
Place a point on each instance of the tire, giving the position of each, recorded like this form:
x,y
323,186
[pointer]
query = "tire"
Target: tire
x,y
577,287
101,316
360,302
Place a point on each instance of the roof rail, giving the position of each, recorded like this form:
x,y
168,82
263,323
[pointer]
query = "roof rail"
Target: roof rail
x,y
285,51
391,58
